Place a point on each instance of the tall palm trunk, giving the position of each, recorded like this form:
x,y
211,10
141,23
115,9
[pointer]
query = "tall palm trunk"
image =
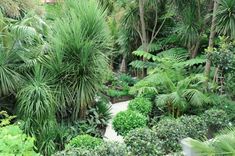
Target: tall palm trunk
x,y
123,66
143,31
212,38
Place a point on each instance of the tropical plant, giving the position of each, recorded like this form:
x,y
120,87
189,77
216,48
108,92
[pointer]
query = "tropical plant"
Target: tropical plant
x,y
128,120
222,144
79,57
225,20
99,116
36,107
182,95
175,88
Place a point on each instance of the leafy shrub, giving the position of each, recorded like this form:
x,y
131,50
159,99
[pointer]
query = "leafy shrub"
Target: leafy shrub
x,y
127,79
143,142
105,149
116,93
170,132
99,116
5,119
76,152
216,119
223,103
125,121
112,149
141,105
84,141
195,127
14,142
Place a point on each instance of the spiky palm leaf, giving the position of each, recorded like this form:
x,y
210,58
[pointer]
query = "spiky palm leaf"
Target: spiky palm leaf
x,y
35,99
79,59
10,79
225,18
223,144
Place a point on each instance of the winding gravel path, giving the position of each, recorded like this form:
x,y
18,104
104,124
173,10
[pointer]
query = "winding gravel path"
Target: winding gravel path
x,y
110,133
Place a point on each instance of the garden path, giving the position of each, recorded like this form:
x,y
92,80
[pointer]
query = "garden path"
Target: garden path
x,y
110,133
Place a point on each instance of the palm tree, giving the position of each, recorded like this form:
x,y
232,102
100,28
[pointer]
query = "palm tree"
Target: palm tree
x,y
79,57
223,23
167,80
181,95
192,15
138,29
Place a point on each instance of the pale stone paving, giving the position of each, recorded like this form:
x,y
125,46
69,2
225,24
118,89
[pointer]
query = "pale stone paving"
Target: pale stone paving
x,y
110,133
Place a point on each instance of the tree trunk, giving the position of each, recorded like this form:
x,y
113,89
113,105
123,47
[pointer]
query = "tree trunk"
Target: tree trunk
x,y
143,32
123,67
211,38
195,49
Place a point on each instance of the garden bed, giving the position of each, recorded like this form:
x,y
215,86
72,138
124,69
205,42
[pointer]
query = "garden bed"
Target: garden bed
x,y
120,99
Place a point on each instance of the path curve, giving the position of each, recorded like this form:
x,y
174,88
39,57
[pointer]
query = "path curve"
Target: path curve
x,y
110,133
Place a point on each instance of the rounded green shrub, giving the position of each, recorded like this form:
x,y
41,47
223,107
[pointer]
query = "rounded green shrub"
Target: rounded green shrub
x,y
216,119
143,142
85,141
141,105
112,149
170,132
128,120
195,127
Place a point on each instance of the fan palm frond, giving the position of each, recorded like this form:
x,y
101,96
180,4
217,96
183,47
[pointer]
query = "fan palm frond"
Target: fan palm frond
x,y
196,97
9,77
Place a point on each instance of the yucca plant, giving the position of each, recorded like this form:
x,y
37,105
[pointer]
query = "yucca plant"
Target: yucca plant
x,y
79,57
36,107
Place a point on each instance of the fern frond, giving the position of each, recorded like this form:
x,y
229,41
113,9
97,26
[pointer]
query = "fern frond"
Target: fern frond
x,y
191,62
143,64
145,55
179,54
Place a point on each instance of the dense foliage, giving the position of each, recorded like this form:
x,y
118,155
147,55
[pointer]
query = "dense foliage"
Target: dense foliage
x,y
143,141
14,142
63,63
141,105
84,141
